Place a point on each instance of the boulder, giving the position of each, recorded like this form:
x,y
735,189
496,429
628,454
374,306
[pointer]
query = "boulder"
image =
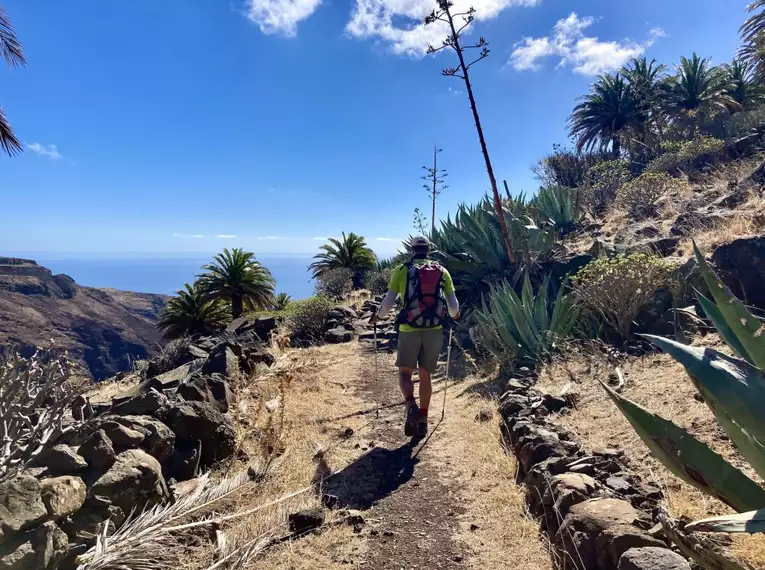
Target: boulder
x,y
62,496
120,435
145,404
541,444
582,526
200,421
82,408
615,541
62,460
484,415
159,439
304,521
168,380
253,354
260,326
98,450
82,525
41,548
338,335
689,222
222,360
741,266
183,463
343,313
652,558
202,388
133,481
21,506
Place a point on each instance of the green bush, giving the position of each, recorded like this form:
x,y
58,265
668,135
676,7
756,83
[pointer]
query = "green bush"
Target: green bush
x,y
618,287
306,318
602,185
639,196
681,157
377,281
526,328
335,283
565,167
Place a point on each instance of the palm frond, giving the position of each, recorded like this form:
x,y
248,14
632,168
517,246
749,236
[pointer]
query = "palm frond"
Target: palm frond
x,y
10,47
8,141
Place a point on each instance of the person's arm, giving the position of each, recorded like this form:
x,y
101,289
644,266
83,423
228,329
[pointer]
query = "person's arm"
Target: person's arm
x,y
452,304
390,297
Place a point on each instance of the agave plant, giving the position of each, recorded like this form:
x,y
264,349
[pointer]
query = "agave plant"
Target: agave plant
x,y
558,207
525,328
734,389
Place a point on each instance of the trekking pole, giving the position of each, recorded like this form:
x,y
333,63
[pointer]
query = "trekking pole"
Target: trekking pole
x,y
446,380
377,410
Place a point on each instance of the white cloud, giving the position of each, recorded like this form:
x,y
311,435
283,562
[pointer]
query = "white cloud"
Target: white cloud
x,y
49,150
270,238
225,236
388,239
375,19
188,236
586,55
455,91
280,16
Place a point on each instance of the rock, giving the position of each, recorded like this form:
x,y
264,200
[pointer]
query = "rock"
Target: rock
x,y
98,450
554,404
338,335
578,535
159,439
731,200
255,354
40,549
200,421
168,380
689,222
563,492
304,521
619,485
62,496
568,265
618,539
260,326
145,404
741,266
652,558
202,388
484,415
21,506
183,463
133,481
120,435
82,525
511,403
222,360
344,313
541,444
81,408
62,460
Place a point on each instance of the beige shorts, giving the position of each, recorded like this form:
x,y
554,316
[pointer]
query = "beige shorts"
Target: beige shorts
x,y
421,347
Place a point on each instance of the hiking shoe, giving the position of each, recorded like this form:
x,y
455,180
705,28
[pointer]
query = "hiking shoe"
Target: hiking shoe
x,y
422,426
412,419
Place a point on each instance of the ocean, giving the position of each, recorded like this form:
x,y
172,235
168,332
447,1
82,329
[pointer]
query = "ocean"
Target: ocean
x,y
167,275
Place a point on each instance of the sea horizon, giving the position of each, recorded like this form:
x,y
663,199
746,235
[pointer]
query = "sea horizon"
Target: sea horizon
x,y
163,273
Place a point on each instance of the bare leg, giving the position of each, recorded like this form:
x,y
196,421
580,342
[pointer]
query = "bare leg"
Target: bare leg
x,y
406,384
426,388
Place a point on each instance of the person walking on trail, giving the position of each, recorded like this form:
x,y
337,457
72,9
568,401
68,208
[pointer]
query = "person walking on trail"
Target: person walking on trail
x,y
427,291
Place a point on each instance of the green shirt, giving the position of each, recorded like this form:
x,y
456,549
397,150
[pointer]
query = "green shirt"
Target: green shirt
x,y
398,285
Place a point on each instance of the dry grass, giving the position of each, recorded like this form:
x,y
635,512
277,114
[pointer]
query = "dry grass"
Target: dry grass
x,y
471,453
660,384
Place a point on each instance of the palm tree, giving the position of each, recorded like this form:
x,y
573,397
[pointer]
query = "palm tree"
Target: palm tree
x,y
351,252
604,114
239,278
282,300
698,89
743,86
645,80
752,33
11,52
191,314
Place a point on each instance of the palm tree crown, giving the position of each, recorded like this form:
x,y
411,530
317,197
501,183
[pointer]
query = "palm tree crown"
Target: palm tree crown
x,y
742,86
698,86
282,300
350,252
237,276
604,114
753,39
191,314
11,52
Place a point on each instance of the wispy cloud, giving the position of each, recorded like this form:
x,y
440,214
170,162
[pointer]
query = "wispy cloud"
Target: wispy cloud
x,y
586,55
49,150
454,91
408,35
225,236
280,16
188,236
388,239
270,238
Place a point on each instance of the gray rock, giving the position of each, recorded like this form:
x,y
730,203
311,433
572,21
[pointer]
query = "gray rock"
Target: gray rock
x,y
741,266
222,360
120,435
21,506
40,549
338,335
615,541
304,521
183,463
159,439
98,450
168,380
202,388
199,421
82,525
62,460
145,404
652,558
689,222
134,480
62,496
484,415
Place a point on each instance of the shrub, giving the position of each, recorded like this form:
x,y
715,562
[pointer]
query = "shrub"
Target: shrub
x,y
174,354
683,156
377,281
639,196
306,318
525,328
335,283
602,185
565,167
618,287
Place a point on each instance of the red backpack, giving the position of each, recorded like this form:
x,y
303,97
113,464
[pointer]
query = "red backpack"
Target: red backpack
x,y
424,305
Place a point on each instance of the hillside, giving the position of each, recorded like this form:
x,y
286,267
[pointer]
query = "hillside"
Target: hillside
x,y
104,329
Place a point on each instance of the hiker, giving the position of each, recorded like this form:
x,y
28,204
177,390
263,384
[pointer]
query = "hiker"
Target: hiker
x,y
427,290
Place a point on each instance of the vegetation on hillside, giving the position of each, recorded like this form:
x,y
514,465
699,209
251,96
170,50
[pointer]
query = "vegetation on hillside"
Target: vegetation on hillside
x,y
349,252
190,313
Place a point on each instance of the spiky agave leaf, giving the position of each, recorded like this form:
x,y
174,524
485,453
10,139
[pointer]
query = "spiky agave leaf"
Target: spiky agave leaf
x,y
751,522
690,459
747,328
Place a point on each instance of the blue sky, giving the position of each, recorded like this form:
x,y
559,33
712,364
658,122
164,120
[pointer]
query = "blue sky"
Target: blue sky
x,y
173,125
